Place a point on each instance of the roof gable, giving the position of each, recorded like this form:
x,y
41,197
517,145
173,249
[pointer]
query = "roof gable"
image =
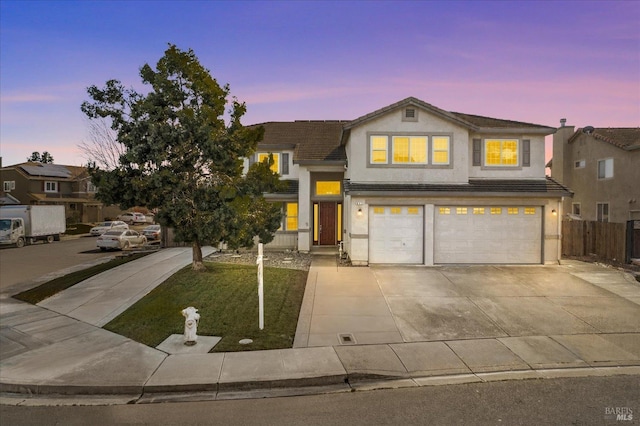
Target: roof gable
x,y
472,122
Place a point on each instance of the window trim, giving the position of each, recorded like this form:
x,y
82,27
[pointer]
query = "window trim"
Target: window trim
x,y
389,152
573,209
519,148
604,161
599,215
433,150
53,183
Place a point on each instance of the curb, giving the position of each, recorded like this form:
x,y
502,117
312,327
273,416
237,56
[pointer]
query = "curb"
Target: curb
x,y
311,385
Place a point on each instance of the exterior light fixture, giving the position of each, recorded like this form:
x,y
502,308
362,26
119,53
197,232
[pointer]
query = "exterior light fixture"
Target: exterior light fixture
x,y
359,212
554,212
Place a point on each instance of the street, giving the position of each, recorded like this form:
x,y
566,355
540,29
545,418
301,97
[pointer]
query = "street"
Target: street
x,y
22,265
583,401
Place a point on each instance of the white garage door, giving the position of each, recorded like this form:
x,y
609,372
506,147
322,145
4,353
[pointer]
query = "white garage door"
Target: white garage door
x,y
482,234
396,234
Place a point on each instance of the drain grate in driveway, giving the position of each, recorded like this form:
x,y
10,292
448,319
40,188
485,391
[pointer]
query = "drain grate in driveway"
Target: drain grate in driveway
x,y
346,339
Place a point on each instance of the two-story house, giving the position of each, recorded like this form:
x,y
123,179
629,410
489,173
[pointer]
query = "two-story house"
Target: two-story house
x,y
37,183
602,168
412,183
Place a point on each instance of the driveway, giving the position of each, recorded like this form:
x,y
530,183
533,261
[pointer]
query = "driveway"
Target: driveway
x,y
391,304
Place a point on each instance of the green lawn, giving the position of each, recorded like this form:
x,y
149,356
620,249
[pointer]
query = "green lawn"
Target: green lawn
x,y
226,297
54,286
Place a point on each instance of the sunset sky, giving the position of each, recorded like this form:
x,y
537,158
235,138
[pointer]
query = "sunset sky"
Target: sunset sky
x,y
526,61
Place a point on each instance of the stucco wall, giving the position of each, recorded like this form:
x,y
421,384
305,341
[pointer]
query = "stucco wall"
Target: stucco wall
x,y
589,190
358,151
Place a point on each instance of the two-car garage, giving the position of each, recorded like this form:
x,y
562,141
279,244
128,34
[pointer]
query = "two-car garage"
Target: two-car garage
x,y
458,234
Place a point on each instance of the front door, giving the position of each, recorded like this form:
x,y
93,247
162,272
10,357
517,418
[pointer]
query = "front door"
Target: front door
x,y
327,224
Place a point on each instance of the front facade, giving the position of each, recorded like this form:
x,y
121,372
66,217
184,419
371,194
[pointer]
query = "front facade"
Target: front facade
x,y
602,168
37,183
411,183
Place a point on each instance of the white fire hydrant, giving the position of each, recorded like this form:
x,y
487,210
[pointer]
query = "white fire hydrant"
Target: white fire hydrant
x,y
192,317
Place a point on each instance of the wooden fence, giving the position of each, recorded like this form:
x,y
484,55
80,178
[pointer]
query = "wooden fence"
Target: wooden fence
x,y
585,238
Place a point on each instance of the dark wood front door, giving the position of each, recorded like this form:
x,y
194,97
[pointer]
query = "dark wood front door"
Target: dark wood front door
x,y
327,221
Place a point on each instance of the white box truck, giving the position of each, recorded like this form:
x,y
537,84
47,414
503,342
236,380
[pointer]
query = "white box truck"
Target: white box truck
x,y
20,225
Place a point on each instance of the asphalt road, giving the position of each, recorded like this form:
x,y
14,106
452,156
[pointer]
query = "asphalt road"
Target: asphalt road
x,y
24,265
571,401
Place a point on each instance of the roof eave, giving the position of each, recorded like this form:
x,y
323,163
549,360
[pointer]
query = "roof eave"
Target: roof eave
x,y
483,194
518,130
320,162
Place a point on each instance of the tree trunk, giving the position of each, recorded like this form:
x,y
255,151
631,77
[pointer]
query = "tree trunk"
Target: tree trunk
x,y
197,264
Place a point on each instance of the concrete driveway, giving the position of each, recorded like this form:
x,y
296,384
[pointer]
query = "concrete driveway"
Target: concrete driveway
x,y
391,304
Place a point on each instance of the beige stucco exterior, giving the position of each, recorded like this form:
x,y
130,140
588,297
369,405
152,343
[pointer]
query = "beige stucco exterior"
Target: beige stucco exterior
x,y
621,191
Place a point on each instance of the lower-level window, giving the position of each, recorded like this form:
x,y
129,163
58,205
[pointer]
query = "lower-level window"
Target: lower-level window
x,y
575,209
291,216
602,212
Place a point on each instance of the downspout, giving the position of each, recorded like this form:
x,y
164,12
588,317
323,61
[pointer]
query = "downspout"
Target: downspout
x,y
559,226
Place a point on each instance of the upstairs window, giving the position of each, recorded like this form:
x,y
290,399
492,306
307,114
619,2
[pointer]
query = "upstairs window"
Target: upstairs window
x,y
91,187
580,164
264,156
8,185
440,148
379,147
605,168
501,152
409,150
50,186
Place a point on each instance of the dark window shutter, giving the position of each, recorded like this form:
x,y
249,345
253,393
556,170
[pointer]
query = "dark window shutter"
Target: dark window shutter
x,y
526,153
252,159
477,152
285,163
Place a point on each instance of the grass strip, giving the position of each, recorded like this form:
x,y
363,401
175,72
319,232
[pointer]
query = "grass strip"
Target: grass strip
x,y
48,289
226,296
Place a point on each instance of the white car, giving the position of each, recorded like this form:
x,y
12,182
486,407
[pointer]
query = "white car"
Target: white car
x,y
132,217
120,240
110,225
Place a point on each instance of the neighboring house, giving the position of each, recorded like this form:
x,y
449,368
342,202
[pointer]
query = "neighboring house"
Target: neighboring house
x,y
412,183
37,183
602,168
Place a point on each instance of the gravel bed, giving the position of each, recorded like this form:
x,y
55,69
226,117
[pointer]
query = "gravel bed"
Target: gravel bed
x,y
274,259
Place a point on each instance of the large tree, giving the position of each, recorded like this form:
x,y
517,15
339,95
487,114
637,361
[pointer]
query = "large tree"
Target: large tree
x,y
44,158
183,158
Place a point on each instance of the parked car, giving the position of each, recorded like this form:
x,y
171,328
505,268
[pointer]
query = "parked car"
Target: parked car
x,y
132,217
121,239
152,232
110,225
150,217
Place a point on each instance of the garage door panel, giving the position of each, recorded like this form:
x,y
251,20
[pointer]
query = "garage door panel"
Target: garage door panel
x,y
396,236
487,238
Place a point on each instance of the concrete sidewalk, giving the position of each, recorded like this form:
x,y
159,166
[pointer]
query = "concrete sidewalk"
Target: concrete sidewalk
x,y
48,352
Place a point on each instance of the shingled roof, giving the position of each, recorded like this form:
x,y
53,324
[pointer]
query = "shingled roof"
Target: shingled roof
x,y
627,138
473,122
312,141
543,187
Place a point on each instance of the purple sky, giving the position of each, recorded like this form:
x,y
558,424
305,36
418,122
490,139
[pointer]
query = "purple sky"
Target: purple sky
x,y
527,61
